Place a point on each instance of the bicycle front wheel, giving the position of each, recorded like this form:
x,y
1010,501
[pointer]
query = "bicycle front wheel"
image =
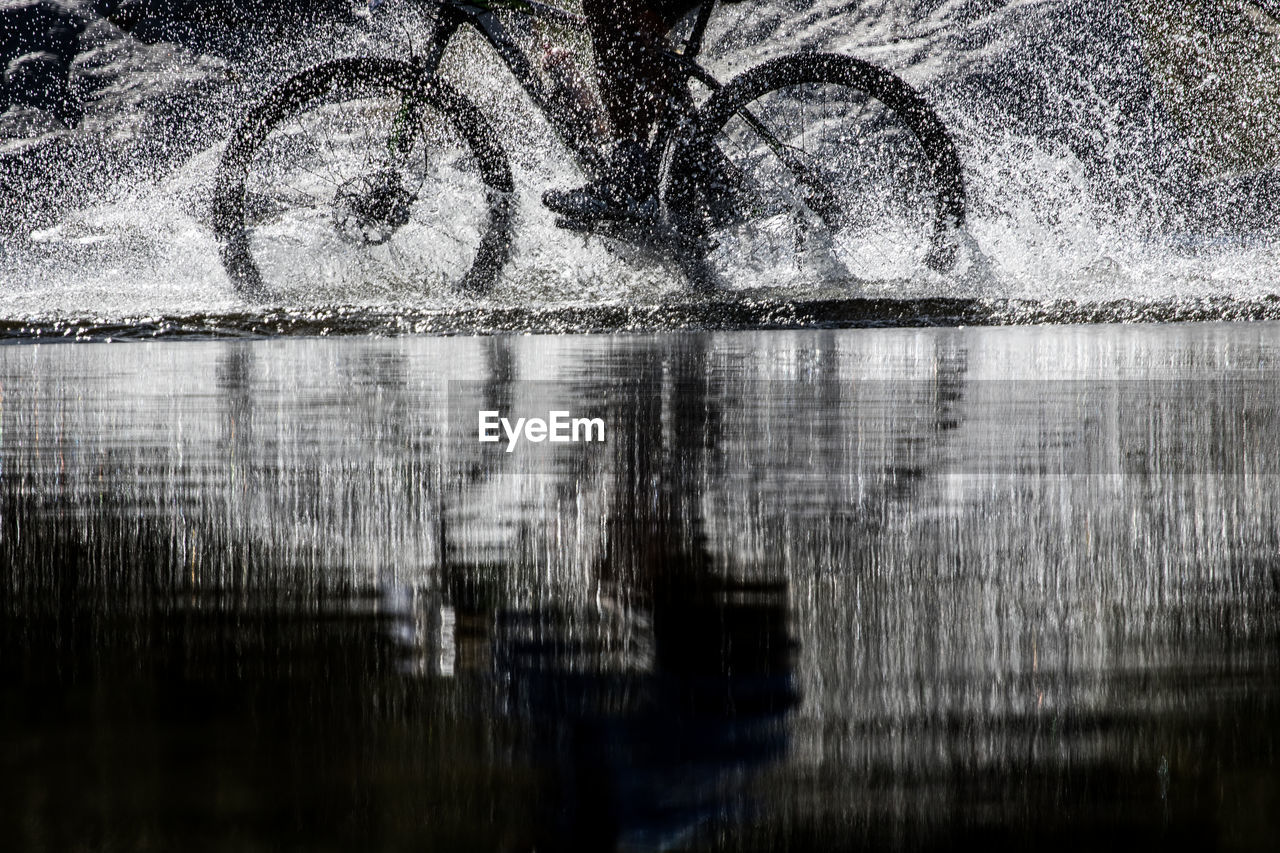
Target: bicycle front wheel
x,y
361,176
821,168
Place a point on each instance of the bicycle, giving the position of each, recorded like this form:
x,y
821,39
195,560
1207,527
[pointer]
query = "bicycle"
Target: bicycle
x,y
357,168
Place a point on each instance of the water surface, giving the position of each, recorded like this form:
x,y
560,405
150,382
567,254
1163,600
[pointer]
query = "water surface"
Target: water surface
x,y
818,590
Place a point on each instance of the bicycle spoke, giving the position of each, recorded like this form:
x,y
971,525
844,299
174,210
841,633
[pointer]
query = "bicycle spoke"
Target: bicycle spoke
x,y
303,200
333,183
327,160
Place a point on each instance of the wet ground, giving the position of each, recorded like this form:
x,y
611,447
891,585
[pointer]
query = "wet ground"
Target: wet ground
x,y
817,590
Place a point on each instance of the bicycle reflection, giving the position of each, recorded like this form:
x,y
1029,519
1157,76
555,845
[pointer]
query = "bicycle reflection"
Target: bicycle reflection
x,y
646,720
652,688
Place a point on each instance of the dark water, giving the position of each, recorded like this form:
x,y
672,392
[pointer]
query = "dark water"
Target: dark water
x,y
817,590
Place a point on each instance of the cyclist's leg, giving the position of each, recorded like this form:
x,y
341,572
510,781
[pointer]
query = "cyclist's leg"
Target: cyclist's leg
x,y
631,78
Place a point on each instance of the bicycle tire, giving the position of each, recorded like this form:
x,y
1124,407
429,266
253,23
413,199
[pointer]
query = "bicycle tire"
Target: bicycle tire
x,y
369,88
694,185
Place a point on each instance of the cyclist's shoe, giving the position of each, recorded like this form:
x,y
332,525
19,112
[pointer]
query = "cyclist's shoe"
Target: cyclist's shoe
x,y
626,191
580,225
596,202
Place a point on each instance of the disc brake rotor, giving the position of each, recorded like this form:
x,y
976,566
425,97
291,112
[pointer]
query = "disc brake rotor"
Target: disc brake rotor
x,y
370,208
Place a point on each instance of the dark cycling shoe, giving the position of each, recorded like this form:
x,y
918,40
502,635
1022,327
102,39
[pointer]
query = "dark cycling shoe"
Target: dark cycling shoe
x,y
626,191
598,201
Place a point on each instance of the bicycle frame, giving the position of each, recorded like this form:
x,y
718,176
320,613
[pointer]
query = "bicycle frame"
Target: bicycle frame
x,y
581,138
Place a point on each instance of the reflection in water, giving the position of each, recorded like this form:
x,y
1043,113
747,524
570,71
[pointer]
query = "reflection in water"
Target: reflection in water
x,y
821,590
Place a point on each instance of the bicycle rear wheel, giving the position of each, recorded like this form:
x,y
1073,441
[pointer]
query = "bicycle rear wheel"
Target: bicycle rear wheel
x,y
361,176
819,168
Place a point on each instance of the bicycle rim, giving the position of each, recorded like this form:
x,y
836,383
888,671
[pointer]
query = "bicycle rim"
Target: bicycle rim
x,y
361,189
820,181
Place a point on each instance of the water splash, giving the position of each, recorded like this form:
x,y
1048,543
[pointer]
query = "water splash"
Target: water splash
x,y
1087,194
